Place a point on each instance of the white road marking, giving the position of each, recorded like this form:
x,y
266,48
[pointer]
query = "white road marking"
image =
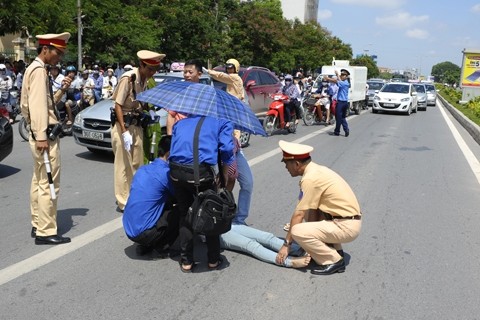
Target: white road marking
x,y
25,266
467,152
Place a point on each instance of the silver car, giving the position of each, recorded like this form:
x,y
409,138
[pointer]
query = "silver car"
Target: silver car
x,y
431,94
373,87
421,96
92,126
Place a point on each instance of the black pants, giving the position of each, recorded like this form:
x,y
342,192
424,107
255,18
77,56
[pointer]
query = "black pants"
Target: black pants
x,y
164,232
294,104
182,180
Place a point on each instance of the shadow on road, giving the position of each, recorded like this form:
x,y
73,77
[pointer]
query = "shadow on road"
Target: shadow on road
x,y
65,218
6,171
105,157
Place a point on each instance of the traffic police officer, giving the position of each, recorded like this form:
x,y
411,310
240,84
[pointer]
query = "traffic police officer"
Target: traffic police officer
x,y
329,207
341,109
38,107
127,133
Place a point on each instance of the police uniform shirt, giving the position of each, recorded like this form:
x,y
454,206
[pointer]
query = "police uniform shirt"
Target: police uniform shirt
x,y
215,135
322,188
150,191
124,95
233,81
37,103
343,86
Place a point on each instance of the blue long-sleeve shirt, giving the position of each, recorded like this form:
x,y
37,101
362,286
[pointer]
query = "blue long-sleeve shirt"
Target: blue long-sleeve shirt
x,y
215,135
343,87
151,189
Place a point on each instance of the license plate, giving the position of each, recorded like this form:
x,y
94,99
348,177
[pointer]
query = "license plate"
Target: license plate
x,y
92,135
389,105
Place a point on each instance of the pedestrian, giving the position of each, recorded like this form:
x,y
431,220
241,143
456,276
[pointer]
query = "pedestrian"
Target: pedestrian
x,y
341,109
215,141
127,133
327,204
240,169
38,108
150,218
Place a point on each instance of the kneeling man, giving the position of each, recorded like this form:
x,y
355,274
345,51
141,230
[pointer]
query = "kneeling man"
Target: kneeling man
x,y
329,207
150,219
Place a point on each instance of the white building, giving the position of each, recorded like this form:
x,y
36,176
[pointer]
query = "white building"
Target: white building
x,y
304,10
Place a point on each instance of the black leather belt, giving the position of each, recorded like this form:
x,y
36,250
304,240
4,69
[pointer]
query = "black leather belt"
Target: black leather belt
x,y
357,217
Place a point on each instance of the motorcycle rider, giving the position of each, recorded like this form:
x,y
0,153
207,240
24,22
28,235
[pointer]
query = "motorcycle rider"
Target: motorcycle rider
x,y
323,100
86,86
109,84
6,84
290,90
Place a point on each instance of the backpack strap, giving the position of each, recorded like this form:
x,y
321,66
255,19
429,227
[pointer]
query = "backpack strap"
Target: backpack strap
x,y
196,165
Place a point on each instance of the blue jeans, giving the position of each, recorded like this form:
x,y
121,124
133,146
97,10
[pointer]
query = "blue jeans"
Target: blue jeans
x,y
260,244
245,178
98,94
341,116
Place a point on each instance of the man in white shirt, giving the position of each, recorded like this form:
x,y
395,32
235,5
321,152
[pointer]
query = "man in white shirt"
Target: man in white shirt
x,y
87,84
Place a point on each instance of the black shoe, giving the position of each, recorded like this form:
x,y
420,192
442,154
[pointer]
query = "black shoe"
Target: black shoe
x,y
340,252
347,133
334,134
330,268
142,250
51,240
119,210
33,233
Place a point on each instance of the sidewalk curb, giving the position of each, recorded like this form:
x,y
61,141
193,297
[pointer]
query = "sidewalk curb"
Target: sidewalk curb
x,y
472,128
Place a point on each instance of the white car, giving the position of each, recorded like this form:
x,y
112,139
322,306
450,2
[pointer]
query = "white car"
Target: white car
x,y
396,97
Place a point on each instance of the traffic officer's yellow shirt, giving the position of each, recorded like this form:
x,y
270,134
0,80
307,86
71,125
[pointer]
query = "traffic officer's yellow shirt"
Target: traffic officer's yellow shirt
x,y
233,81
37,106
124,94
322,188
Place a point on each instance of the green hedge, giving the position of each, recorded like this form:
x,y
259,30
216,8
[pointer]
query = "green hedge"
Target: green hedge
x,y
471,109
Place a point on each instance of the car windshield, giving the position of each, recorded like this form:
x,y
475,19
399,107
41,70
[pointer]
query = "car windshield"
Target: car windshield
x,y
430,88
375,85
396,88
420,88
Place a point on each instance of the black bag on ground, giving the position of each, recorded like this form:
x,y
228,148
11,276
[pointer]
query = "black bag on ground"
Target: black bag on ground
x,y
212,212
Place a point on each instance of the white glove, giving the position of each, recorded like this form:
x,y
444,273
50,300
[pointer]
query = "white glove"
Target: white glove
x,y
152,114
127,140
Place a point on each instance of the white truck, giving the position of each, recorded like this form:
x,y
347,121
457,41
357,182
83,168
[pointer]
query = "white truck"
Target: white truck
x,y
358,82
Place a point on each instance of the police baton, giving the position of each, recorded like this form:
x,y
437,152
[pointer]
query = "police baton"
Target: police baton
x,y
53,195
152,147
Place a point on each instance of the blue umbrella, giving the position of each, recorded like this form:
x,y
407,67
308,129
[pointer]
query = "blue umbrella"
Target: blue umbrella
x,y
200,99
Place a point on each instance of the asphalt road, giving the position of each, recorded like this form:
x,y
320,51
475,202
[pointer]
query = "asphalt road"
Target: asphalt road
x,y
417,257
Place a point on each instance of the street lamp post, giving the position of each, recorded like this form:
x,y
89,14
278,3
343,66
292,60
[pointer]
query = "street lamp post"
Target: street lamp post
x,y
79,32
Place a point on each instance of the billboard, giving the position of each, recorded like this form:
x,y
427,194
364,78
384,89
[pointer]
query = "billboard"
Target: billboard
x,y
471,68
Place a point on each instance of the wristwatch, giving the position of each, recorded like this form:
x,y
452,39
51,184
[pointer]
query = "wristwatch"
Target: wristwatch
x,y
287,243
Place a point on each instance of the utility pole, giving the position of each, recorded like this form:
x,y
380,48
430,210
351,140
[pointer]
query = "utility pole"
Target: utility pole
x,y
79,33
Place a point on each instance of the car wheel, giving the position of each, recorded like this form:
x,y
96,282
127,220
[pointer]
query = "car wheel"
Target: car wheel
x,y
270,124
244,139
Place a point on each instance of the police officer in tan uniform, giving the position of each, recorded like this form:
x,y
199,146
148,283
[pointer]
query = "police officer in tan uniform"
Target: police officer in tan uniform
x,y
327,204
38,108
127,133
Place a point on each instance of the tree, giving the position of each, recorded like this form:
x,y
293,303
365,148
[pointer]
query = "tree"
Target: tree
x,y
446,72
368,62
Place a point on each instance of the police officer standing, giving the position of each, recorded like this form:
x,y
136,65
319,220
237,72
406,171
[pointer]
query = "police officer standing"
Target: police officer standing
x,y
38,107
327,204
341,110
127,133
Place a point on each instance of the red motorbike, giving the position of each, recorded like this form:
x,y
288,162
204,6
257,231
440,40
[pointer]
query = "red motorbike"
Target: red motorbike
x,y
275,118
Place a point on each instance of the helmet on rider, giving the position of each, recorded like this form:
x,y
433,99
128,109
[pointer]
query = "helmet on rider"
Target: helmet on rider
x,y
232,63
288,77
71,69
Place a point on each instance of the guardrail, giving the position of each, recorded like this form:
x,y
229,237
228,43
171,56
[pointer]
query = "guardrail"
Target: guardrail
x,y
472,128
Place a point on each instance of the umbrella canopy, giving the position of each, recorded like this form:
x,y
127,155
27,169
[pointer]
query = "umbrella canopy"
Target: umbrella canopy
x,y
200,99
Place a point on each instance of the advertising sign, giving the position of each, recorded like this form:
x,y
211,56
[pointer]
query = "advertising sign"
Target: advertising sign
x,y
471,69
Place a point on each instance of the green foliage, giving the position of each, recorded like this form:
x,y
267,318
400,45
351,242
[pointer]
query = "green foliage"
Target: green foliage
x,y
446,72
368,62
253,32
474,105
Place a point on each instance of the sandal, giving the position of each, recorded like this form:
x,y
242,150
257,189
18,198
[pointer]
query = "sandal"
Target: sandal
x,y
286,227
69,123
217,266
184,270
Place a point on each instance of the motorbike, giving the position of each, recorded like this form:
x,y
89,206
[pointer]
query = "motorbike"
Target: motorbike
x,y
310,112
275,118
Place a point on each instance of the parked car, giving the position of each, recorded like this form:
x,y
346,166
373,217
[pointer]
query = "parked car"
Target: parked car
x,y
373,86
396,97
92,126
431,94
258,82
421,96
6,137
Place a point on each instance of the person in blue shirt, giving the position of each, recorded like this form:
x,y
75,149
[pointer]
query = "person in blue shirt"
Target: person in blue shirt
x,y
215,141
150,219
98,80
343,83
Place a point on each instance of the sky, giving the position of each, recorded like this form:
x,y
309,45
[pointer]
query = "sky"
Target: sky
x,y
405,34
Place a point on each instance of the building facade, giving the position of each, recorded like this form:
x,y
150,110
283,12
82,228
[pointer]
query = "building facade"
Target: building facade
x,y
304,10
